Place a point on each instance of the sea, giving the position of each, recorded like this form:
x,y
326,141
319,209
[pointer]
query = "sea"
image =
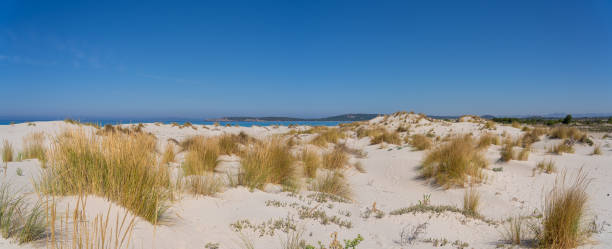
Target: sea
x,y
103,122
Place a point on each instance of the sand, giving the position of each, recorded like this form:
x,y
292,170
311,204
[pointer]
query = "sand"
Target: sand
x,y
391,181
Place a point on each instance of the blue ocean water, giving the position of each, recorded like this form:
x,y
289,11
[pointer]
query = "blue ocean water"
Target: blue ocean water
x,y
103,122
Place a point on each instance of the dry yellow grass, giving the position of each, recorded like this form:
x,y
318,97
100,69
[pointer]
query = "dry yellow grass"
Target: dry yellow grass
x,y
596,150
329,135
567,146
202,156
524,154
312,161
120,167
268,161
454,162
563,224
507,152
7,151
80,232
565,132
33,147
203,185
333,183
230,143
515,230
471,201
387,137
420,142
335,159
169,154
546,166
487,139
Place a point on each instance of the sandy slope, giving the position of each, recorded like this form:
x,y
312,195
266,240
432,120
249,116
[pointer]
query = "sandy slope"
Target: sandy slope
x,y
391,181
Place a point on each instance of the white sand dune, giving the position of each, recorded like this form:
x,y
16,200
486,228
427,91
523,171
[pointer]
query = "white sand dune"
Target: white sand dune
x,y
391,181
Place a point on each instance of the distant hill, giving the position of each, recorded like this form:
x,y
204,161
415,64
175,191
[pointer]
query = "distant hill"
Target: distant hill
x,y
343,117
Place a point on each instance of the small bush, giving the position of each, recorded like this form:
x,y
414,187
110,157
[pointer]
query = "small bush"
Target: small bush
x,y
269,161
563,224
421,142
312,161
202,156
332,183
7,151
471,201
453,162
490,125
34,147
335,159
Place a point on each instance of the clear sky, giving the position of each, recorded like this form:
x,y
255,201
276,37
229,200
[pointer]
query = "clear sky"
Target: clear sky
x,y
304,58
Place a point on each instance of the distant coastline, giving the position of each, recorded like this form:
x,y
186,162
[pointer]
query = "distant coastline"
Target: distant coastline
x,y
344,117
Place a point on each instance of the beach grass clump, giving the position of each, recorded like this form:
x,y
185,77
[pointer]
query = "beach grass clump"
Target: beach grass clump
x,y
523,155
333,183
563,224
454,162
567,146
120,167
202,155
207,185
312,162
571,133
77,231
386,137
507,152
230,143
169,154
19,220
362,132
490,125
7,151
515,230
420,142
547,167
326,136
596,150
267,161
488,139
471,201
33,147
335,159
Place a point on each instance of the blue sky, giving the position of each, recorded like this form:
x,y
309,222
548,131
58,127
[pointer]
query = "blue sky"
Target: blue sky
x,y
303,58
